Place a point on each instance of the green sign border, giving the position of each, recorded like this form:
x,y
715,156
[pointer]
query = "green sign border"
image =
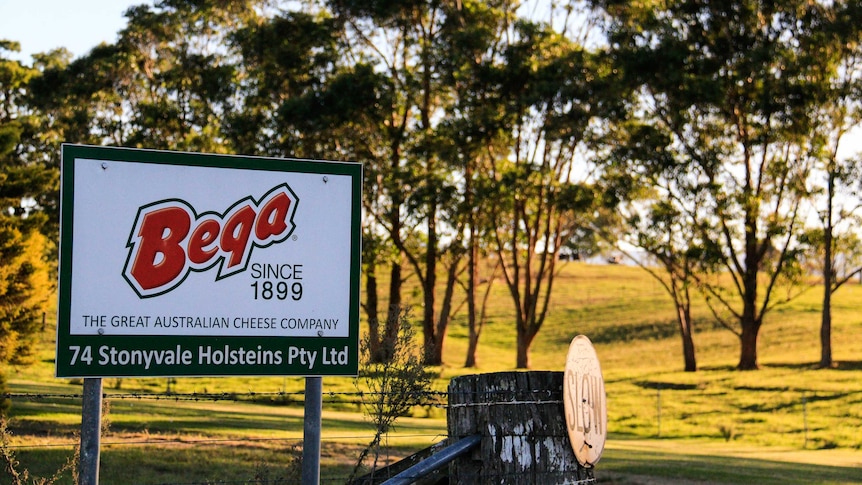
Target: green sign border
x,y
103,347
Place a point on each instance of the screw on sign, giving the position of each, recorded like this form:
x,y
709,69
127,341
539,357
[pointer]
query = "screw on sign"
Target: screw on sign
x,y
585,402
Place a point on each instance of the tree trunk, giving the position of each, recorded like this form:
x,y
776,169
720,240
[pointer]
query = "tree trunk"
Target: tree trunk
x,y
395,285
472,346
472,270
826,332
828,277
429,286
826,361
472,323
371,307
748,352
393,317
390,333
749,320
685,329
435,357
445,313
525,339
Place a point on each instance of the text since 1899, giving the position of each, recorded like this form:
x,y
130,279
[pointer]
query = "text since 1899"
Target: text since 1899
x,y
277,281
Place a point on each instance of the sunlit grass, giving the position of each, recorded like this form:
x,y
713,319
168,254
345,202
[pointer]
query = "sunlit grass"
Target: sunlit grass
x,y
660,418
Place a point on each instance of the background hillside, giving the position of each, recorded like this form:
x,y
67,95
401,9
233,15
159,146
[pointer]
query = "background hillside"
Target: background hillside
x,y
786,423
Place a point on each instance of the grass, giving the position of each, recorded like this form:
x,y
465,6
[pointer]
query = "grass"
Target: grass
x,y
786,423
698,461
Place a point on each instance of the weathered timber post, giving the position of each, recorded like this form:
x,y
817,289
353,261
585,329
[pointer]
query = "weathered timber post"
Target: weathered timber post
x,y
520,416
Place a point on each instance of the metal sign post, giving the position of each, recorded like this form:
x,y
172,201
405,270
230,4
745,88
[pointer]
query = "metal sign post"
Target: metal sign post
x,y
312,431
91,432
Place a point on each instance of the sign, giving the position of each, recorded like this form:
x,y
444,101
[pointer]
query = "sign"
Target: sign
x,y
182,264
585,402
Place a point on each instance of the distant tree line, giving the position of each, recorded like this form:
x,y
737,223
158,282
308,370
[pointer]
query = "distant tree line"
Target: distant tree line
x,y
493,134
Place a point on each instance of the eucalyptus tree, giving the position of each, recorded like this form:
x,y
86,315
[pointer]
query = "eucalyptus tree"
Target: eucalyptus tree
x,y
166,83
302,97
413,187
179,78
38,139
474,37
285,63
645,176
82,100
836,181
733,84
555,92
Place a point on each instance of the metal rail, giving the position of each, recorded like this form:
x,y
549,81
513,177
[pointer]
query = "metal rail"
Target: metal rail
x,y
437,460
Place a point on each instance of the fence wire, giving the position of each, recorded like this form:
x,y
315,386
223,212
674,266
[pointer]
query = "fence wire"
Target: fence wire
x,y
436,399
662,412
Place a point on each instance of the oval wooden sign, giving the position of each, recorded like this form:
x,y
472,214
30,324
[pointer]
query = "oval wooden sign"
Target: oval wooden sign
x,y
585,402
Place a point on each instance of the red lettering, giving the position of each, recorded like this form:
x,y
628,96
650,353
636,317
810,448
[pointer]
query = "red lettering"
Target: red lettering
x,y
237,230
273,217
204,235
160,258
169,240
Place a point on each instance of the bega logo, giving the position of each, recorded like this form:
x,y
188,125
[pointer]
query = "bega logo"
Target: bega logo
x,y
169,239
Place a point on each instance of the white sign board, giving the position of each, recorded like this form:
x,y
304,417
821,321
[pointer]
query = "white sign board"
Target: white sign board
x,y
585,402
190,264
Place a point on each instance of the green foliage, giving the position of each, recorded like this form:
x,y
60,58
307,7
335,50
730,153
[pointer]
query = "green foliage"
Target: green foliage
x,y
722,134
472,118
392,387
5,403
24,289
24,180
19,476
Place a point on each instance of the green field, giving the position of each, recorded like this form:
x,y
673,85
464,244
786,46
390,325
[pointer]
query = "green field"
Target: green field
x,y
786,423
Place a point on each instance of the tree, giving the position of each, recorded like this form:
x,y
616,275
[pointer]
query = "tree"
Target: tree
x,y
413,189
835,182
24,278
167,82
667,242
646,178
306,96
555,92
643,175
474,38
390,389
734,83
177,80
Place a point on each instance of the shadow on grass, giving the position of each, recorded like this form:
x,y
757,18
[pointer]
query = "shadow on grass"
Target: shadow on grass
x,y
671,386
846,365
630,332
599,334
718,368
199,463
665,467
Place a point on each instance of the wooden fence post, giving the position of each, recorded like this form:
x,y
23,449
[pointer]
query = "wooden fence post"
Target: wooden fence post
x,y
520,416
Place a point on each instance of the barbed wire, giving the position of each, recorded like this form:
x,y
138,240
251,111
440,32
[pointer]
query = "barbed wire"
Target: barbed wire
x,y
158,439
432,398
208,396
461,398
440,399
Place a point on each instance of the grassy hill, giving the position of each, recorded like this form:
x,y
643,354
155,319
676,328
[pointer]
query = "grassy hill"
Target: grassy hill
x,y
786,423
